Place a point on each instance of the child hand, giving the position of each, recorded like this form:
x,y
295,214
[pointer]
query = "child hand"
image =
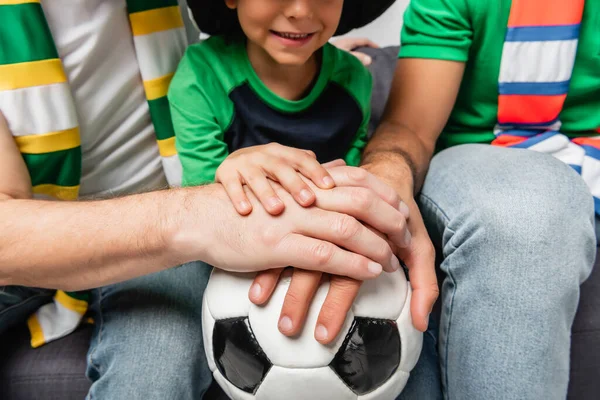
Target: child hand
x,y
254,166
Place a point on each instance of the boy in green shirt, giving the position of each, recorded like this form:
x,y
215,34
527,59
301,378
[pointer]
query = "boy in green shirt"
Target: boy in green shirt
x,y
272,77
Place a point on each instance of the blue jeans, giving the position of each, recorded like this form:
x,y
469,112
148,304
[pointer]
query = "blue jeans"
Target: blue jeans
x,y
516,233
147,340
515,229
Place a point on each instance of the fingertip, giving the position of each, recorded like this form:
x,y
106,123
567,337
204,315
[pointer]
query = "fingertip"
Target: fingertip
x,y
322,334
274,206
286,326
243,207
306,197
328,182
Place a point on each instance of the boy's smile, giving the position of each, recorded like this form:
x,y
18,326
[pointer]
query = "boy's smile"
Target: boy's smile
x,y
293,39
287,31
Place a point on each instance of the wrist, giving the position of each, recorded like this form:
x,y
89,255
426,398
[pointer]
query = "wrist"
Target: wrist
x,y
394,171
190,222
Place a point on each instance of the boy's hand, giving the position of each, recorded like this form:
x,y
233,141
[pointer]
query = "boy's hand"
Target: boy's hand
x,y
255,166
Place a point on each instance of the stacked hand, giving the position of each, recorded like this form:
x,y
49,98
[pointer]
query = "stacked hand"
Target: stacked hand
x,y
352,251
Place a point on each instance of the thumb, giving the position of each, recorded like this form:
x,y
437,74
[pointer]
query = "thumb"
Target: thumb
x,y
365,59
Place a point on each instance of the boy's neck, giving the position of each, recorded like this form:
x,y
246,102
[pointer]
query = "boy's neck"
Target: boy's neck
x,y
291,82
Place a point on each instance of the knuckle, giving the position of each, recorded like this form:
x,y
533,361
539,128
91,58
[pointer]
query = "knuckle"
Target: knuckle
x,y
393,197
253,180
362,198
311,154
323,253
273,147
346,227
345,286
295,299
332,308
383,252
400,226
358,175
270,236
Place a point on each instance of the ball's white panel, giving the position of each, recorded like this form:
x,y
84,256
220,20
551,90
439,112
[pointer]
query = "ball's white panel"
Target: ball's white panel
x,y
389,390
208,324
411,338
300,384
383,297
230,390
302,351
227,294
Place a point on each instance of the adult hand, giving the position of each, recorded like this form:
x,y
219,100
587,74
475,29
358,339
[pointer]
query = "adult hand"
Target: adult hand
x,y
419,256
349,44
343,290
325,238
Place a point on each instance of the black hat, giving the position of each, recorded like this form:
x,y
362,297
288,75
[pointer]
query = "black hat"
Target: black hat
x,y
215,18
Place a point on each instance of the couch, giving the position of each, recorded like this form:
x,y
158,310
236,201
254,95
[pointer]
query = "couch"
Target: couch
x,y
57,370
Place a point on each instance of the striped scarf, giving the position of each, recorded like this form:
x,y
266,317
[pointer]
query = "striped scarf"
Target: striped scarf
x,y
535,72
38,105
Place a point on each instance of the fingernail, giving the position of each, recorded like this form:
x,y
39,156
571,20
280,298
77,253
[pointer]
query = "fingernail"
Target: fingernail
x,y
395,263
375,268
407,238
285,324
321,333
328,181
305,195
244,205
403,208
368,60
273,202
255,291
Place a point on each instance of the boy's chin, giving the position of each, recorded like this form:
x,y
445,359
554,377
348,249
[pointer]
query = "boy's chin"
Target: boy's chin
x,y
290,59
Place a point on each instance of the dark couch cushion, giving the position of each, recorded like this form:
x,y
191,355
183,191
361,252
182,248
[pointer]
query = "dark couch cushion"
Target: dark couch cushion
x,y
55,371
585,351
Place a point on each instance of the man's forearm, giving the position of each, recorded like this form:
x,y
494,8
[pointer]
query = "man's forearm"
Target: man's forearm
x,y
80,245
397,155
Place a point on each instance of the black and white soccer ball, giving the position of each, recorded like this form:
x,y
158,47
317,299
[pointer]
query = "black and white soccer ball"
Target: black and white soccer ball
x,y
251,359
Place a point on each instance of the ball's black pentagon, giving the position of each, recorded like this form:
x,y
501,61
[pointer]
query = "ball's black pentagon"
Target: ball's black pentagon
x,y
238,355
369,355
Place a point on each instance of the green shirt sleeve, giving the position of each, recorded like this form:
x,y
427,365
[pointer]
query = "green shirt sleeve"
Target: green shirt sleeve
x,y
437,29
198,106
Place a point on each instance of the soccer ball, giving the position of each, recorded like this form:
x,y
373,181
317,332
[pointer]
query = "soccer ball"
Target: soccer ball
x,y
250,359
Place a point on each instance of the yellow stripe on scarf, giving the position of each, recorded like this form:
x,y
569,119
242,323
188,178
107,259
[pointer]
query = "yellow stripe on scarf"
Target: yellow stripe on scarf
x,y
30,74
151,21
71,303
37,336
58,192
49,142
15,2
166,147
157,88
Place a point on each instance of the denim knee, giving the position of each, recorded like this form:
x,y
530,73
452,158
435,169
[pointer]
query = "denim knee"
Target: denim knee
x,y
514,200
148,339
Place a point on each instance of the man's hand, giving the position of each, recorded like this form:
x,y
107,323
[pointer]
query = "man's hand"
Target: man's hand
x,y
419,256
343,290
350,43
326,238
422,96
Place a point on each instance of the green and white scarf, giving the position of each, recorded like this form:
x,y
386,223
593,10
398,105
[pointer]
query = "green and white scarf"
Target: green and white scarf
x,y
40,112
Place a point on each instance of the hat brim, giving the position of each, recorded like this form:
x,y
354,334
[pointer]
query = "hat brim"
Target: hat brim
x,y
214,18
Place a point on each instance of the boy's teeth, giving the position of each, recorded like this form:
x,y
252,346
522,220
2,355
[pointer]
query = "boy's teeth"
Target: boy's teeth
x,y
293,35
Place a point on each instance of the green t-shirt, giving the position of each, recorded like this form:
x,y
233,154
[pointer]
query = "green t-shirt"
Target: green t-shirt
x,y
220,105
473,31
